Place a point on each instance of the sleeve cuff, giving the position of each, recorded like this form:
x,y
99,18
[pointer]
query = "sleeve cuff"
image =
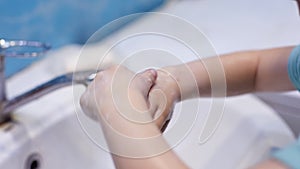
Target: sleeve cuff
x,y
289,156
294,67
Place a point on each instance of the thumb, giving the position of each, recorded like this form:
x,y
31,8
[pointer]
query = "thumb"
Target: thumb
x,y
143,81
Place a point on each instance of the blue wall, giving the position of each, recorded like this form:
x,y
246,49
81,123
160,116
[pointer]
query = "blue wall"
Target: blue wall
x,y
61,22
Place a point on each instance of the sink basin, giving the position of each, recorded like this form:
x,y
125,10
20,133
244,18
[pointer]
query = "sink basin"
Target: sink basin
x,y
53,137
64,145
54,142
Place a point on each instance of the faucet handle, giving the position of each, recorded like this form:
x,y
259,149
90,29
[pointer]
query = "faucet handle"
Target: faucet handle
x,y
22,48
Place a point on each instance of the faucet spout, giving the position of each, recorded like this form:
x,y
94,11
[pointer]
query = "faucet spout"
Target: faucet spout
x,y
82,77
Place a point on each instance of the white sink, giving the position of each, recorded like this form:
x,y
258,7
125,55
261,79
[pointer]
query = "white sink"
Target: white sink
x,y
61,145
47,135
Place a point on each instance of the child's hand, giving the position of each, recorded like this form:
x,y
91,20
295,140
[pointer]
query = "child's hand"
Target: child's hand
x,y
163,95
119,98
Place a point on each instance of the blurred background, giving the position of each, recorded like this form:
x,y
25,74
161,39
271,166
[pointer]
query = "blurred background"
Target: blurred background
x,y
61,22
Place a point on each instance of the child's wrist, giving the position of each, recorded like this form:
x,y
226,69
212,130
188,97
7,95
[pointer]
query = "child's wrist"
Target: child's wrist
x,y
183,82
173,83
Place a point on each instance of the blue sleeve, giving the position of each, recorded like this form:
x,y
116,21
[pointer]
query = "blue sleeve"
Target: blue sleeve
x,y
294,67
290,156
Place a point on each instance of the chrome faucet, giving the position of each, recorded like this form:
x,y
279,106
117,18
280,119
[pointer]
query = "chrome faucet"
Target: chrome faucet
x,y
37,48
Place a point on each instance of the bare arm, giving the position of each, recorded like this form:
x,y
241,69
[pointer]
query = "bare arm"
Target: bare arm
x,y
244,72
252,71
120,105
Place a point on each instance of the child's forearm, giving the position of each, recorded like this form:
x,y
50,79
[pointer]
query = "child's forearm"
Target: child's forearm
x,y
136,145
244,72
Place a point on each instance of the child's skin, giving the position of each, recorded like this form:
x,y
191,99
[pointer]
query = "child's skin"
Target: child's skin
x,y
253,71
100,105
245,72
